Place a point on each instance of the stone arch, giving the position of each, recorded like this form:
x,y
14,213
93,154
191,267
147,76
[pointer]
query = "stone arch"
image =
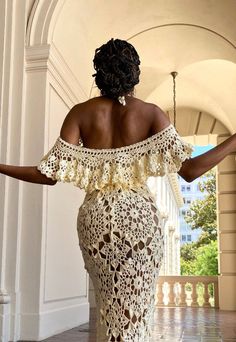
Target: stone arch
x,y
184,24
42,20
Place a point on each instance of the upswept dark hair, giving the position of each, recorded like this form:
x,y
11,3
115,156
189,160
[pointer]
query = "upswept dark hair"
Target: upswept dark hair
x,y
117,65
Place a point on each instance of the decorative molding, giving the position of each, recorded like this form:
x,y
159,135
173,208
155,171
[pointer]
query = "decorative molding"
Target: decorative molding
x,y
227,172
37,58
227,231
4,297
224,135
47,58
64,299
187,25
171,227
228,274
164,214
42,21
229,251
231,192
227,212
62,73
39,326
174,183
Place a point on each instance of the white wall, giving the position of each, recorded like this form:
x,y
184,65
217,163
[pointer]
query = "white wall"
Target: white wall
x,y
59,299
43,283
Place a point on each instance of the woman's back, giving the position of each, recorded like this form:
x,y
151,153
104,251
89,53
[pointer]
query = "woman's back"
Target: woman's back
x,y
104,123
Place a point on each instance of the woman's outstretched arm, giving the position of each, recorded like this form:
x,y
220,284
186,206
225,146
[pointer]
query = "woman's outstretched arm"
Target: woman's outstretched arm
x,y
69,132
26,173
194,167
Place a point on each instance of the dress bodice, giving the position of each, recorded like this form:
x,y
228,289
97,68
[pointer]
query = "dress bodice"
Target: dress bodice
x,y
123,167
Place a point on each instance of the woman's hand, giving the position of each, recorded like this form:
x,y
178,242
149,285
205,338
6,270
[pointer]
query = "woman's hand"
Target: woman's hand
x,y
26,173
195,167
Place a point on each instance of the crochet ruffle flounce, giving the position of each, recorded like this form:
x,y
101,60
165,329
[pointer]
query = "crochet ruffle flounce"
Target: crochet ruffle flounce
x,y
124,167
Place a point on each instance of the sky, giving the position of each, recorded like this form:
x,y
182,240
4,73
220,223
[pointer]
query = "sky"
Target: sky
x,y
201,149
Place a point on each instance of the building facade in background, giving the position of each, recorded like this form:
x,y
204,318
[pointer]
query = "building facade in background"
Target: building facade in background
x,y
168,200
190,193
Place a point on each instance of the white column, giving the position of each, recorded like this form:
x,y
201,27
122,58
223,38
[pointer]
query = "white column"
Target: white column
x,y
171,249
177,254
12,30
226,203
164,268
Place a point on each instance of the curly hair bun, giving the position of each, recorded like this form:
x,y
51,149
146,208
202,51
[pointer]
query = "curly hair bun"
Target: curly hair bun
x,y
117,65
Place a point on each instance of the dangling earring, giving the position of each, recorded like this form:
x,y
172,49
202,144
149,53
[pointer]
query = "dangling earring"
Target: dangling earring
x,y
121,99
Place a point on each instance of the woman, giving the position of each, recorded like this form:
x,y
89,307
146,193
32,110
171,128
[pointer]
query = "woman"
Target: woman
x,y
124,141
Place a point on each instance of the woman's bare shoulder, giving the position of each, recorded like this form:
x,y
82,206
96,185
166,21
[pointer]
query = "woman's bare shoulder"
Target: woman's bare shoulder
x,y
160,120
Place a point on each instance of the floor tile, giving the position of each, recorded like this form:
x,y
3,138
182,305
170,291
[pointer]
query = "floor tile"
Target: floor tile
x,y
172,325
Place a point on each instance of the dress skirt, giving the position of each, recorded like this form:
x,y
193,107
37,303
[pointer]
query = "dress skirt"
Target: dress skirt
x,y
122,244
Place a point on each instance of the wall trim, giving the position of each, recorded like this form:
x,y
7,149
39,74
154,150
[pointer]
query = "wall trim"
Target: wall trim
x,y
47,58
173,179
37,327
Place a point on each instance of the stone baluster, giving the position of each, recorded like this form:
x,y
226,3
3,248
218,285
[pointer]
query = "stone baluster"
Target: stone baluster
x,y
206,295
160,294
171,301
194,294
183,296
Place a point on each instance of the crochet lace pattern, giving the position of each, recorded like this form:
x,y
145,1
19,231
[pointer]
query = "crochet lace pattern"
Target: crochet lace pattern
x,y
122,242
119,227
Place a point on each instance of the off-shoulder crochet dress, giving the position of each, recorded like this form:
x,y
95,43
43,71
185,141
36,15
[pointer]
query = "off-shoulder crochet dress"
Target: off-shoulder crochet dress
x,y
118,224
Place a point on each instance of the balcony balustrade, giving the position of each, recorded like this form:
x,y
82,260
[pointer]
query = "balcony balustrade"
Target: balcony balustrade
x,y
194,291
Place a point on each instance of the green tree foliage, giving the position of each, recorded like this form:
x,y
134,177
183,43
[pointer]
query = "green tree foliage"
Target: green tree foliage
x,y
188,251
206,262
201,257
203,212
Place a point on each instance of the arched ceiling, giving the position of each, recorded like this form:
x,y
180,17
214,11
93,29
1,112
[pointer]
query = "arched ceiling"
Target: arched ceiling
x,y
195,38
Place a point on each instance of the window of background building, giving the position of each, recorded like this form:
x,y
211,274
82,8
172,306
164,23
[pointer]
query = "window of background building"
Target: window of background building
x,y
183,237
189,238
183,212
188,187
188,201
182,187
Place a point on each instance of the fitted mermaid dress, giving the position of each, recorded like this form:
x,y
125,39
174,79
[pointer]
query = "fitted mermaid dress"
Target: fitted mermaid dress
x,y
118,225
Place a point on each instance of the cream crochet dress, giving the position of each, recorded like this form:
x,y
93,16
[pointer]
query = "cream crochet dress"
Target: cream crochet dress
x,y
118,225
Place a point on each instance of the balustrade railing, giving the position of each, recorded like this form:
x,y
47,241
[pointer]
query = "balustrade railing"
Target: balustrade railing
x,y
194,291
